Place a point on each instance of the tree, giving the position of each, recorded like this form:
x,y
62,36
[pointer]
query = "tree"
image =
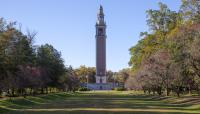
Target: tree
x,y
155,72
86,74
26,69
194,61
122,75
195,56
69,81
110,76
15,51
162,20
49,59
190,10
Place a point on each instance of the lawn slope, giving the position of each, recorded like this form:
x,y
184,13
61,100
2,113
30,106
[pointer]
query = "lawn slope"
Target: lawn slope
x,y
100,102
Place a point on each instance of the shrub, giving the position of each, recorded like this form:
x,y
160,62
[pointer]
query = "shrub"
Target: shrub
x,y
83,89
119,89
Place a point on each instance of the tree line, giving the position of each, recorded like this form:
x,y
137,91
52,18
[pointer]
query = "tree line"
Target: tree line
x,y
167,58
87,75
29,69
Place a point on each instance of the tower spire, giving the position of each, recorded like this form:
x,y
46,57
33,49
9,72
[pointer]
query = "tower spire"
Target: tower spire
x,y
101,10
100,16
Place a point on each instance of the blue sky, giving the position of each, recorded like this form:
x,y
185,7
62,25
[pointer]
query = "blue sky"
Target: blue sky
x,y
69,25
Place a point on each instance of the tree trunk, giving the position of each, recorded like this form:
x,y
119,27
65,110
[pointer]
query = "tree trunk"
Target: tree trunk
x,y
167,91
149,91
144,91
31,91
46,90
1,92
42,90
13,92
189,90
178,91
198,91
159,91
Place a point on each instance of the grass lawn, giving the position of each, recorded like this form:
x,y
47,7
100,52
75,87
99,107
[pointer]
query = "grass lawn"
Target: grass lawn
x,y
100,102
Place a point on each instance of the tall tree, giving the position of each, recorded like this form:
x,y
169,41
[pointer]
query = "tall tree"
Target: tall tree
x,y
162,20
190,10
49,59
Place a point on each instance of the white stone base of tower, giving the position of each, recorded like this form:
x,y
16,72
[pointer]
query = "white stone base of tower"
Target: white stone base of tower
x,y
101,79
100,86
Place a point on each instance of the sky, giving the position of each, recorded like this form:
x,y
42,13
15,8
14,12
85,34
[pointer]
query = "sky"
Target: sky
x,y
69,25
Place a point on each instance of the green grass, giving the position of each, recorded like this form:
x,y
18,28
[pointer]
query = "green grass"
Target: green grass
x,y
100,102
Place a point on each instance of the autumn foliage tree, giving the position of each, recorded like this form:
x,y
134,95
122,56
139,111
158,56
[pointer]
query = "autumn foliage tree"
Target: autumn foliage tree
x,y
166,58
26,68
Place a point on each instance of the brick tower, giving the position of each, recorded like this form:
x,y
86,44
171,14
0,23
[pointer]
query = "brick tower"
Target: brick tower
x,y
100,48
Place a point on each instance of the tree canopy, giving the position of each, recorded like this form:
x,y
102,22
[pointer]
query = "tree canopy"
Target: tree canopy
x,y
165,59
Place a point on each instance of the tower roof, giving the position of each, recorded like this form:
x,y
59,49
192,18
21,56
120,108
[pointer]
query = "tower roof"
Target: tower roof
x,y
100,17
100,10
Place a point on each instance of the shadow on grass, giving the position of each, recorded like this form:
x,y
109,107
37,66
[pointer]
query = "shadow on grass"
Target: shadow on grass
x,y
30,101
99,112
3,110
94,100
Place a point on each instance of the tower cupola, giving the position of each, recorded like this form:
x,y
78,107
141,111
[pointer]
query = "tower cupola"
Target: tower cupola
x,y
100,16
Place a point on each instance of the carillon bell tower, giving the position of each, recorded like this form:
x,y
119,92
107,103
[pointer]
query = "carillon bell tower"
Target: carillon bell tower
x,y
101,78
100,48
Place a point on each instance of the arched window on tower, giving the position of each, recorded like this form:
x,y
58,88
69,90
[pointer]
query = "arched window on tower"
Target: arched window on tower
x,y
100,32
100,80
